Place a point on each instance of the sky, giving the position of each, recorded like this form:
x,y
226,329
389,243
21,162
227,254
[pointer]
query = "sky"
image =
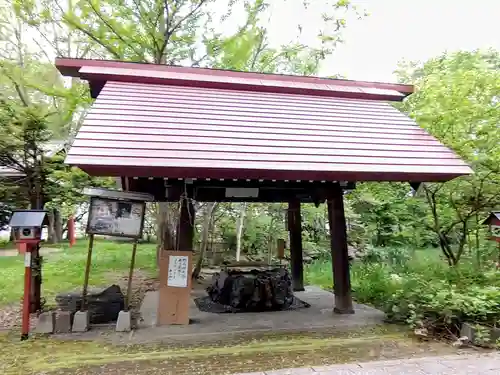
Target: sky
x,y
393,31
397,30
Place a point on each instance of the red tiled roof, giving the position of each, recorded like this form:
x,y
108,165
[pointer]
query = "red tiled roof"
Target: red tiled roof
x,y
157,121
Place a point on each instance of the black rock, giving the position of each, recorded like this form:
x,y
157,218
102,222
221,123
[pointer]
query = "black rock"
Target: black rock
x,y
252,291
103,305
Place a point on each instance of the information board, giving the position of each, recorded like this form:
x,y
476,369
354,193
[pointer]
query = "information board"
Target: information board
x,y
115,217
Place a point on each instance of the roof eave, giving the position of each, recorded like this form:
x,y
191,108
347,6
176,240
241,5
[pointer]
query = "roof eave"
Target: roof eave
x,y
71,67
243,174
97,82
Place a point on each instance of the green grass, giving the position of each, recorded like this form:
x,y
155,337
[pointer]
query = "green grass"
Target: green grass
x,y
64,270
319,273
426,262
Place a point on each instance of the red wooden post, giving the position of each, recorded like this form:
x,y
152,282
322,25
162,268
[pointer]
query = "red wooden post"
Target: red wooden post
x,y
71,231
25,328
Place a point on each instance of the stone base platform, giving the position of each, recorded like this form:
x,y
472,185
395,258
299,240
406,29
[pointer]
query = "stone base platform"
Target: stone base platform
x,y
209,326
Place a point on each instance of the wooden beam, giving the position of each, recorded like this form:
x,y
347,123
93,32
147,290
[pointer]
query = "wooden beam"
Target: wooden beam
x,y
214,190
185,226
296,258
340,256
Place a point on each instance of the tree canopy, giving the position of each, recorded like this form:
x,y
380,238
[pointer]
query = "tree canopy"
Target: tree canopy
x,y
456,100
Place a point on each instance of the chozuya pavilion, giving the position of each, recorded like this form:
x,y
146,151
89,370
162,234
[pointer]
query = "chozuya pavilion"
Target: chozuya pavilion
x,y
183,133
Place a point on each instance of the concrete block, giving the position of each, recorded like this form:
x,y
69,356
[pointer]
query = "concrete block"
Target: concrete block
x,y
123,324
46,322
480,335
80,322
149,309
63,322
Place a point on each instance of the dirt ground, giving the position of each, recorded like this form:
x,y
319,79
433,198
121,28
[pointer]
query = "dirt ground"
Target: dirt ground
x,y
237,354
231,354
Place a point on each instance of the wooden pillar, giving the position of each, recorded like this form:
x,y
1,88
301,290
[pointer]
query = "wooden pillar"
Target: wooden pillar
x,y
185,225
296,259
340,256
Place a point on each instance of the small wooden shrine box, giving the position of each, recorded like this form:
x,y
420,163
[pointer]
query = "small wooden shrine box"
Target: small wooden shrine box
x,y
494,223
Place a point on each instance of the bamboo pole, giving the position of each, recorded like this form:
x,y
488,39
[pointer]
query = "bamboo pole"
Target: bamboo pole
x,y
87,273
130,276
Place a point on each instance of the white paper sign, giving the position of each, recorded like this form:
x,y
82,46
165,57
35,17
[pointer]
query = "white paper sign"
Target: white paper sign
x,y
27,259
233,192
178,271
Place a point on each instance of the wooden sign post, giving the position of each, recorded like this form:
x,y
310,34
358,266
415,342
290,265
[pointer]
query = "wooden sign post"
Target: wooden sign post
x,y
175,287
118,214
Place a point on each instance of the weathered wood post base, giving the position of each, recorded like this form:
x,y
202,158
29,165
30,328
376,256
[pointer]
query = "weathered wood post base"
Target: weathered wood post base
x,y
296,257
340,256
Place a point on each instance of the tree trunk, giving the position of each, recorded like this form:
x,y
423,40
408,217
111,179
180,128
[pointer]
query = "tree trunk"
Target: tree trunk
x,y
51,232
37,202
58,226
185,229
476,235
165,228
239,229
207,220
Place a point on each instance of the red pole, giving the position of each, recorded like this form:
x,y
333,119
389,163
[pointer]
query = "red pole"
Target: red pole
x,y
26,301
71,231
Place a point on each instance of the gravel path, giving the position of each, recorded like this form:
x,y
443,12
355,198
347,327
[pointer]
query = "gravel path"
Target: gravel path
x,y
475,364
483,364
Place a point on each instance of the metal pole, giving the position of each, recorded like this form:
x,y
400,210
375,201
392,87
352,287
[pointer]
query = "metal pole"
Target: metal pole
x,y
87,273
27,291
130,275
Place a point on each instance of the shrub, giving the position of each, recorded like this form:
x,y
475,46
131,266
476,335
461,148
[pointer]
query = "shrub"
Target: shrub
x,y
419,288
394,256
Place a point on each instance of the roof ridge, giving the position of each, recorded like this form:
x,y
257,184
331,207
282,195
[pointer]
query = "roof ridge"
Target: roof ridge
x,y
98,72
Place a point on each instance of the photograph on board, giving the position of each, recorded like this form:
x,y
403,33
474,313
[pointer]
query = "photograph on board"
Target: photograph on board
x,y
115,218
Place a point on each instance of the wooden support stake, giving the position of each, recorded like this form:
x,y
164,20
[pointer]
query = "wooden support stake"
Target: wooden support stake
x,y
87,273
339,250
130,276
296,257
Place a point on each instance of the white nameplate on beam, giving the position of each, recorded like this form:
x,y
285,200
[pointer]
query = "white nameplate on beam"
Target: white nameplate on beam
x,y
233,192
